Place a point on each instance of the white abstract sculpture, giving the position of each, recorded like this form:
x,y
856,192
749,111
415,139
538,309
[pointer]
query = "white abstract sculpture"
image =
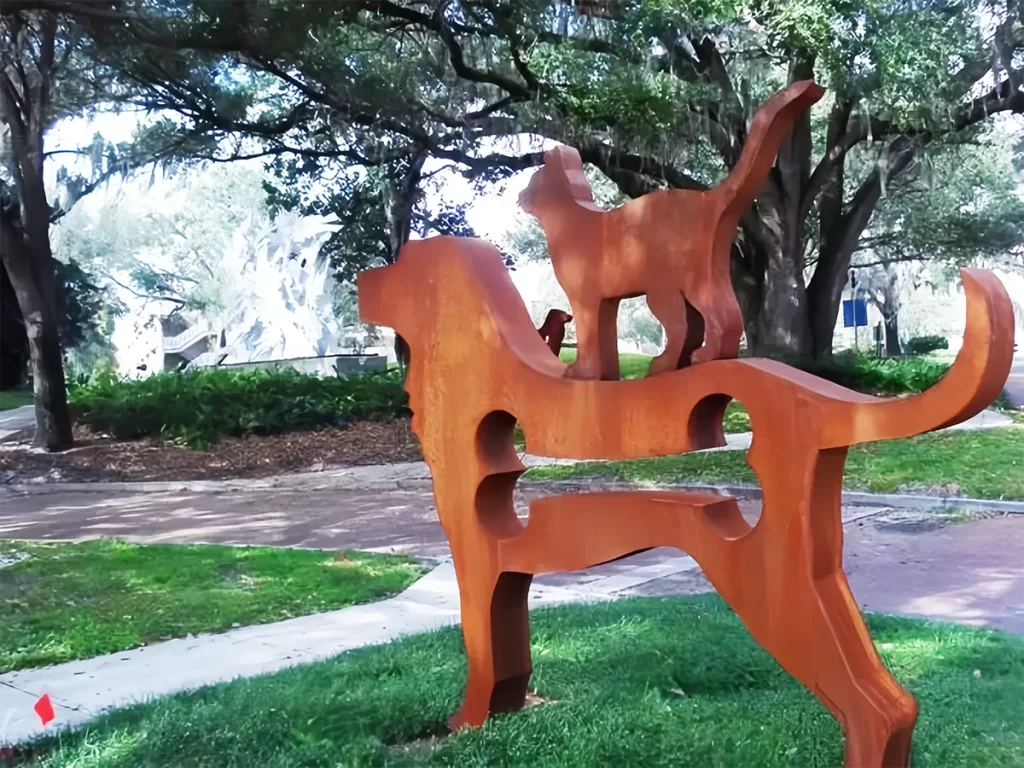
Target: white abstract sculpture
x,y
277,295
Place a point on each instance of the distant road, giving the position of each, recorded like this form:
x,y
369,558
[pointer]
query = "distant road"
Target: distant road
x,y
1015,384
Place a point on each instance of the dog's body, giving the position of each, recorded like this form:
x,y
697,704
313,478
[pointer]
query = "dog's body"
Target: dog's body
x,y
671,245
479,368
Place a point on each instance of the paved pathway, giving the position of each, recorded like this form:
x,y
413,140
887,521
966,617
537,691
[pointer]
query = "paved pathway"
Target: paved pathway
x,y
81,690
1015,384
973,571
897,562
16,419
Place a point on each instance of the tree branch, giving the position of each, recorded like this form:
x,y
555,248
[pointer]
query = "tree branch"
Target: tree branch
x,y
729,115
1005,97
830,170
436,22
151,297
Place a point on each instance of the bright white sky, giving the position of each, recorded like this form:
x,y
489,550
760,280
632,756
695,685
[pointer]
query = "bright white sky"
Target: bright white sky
x,y
491,214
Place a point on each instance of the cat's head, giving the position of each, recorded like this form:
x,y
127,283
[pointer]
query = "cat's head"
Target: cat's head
x,y
559,180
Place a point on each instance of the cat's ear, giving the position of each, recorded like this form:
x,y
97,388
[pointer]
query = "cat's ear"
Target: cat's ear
x,y
570,158
572,167
553,157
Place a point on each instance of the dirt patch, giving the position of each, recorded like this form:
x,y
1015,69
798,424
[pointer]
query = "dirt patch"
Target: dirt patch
x,y
430,738
12,557
424,741
685,583
14,584
922,521
11,757
97,458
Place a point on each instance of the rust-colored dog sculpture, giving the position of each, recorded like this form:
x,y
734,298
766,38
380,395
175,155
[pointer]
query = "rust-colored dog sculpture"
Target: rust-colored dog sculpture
x,y
478,365
672,245
552,330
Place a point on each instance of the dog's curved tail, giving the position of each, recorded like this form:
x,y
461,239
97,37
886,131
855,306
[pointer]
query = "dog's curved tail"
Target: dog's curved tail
x,y
975,379
771,123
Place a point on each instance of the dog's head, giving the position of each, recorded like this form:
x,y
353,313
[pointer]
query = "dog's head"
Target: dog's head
x,y
556,318
560,179
409,294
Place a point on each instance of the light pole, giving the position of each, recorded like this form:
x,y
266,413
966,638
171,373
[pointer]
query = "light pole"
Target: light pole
x,y
853,289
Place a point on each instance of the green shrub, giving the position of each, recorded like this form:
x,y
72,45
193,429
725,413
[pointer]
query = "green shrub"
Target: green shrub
x,y
878,376
198,407
922,345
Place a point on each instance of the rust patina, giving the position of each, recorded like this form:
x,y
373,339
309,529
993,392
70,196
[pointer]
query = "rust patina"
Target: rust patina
x,y
478,367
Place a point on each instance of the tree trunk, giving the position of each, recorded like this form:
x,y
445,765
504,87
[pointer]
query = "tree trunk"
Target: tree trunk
x,y
32,278
401,200
782,330
14,353
772,294
25,226
892,336
824,297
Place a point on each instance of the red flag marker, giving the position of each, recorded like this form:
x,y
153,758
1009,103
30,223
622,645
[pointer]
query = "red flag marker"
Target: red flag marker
x,y
44,708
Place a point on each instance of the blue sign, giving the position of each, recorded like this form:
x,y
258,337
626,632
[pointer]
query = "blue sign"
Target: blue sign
x,y
855,312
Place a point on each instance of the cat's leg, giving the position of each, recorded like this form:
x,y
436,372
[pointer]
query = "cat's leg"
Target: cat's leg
x,y
669,306
588,344
597,355
694,334
723,326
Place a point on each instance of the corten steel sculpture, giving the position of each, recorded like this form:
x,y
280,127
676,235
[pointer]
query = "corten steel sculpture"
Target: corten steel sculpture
x,y
552,330
478,366
672,245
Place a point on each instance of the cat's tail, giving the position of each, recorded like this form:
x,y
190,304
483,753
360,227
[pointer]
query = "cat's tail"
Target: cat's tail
x,y
771,123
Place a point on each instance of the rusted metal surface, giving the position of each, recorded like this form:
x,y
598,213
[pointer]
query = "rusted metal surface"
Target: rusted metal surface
x,y
479,366
671,245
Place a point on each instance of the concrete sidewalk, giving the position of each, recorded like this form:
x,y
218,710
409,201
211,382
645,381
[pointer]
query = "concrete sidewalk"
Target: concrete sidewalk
x,y
16,419
80,690
1015,383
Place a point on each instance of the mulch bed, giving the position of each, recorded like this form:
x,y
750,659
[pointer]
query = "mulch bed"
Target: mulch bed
x,y
98,458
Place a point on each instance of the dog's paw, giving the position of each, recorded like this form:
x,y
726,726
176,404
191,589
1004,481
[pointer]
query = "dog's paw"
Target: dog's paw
x,y
703,355
581,372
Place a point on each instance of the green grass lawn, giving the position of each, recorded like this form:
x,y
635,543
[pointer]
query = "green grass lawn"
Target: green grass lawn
x,y
631,366
74,601
979,464
15,398
647,682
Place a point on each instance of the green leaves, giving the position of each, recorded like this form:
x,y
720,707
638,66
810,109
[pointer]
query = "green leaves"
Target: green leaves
x,y
878,376
922,345
196,408
957,205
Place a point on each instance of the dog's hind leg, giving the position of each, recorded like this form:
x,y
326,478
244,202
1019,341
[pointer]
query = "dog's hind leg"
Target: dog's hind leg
x,y
785,581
